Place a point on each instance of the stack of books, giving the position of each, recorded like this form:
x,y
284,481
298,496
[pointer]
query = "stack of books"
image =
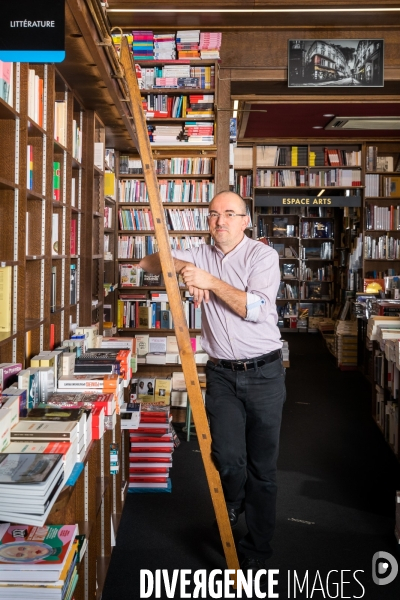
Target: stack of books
x,y
199,133
150,457
201,105
38,562
210,44
164,135
164,46
143,45
187,44
29,486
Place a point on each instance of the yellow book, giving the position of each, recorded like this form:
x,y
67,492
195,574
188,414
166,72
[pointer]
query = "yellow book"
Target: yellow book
x,y
120,314
109,184
162,392
5,299
207,77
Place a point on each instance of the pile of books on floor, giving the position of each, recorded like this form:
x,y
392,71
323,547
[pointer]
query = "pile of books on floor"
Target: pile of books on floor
x,y
152,441
39,562
346,344
150,456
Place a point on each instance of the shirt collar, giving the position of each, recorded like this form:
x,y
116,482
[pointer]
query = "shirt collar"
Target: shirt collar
x,y
237,248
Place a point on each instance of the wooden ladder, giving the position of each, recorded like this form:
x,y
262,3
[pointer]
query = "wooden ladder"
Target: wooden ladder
x,y
175,302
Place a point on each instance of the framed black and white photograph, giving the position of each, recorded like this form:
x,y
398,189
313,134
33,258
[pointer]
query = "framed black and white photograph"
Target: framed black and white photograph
x,y
339,63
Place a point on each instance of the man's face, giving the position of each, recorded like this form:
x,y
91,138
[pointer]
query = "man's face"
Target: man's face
x,y
226,231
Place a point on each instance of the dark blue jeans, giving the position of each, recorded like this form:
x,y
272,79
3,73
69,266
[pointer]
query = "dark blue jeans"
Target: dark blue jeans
x,y
245,411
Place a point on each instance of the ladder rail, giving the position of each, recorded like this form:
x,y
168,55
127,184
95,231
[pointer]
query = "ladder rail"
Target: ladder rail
x,y
174,297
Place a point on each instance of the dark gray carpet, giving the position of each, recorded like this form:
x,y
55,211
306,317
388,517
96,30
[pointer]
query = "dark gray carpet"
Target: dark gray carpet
x,y
337,482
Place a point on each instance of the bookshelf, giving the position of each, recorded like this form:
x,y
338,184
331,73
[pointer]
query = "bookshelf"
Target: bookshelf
x,y
95,503
52,210
382,206
277,180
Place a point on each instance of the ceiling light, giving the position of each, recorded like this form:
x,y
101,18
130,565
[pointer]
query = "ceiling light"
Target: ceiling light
x,y
317,127
250,10
328,115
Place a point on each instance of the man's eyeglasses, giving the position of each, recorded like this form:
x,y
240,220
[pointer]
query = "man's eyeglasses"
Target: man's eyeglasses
x,y
228,214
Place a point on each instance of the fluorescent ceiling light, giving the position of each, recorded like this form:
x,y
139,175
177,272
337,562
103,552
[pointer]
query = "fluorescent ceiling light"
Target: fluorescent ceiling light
x,y
245,10
317,127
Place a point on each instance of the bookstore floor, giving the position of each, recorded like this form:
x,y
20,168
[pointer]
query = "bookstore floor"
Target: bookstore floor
x,y
336,488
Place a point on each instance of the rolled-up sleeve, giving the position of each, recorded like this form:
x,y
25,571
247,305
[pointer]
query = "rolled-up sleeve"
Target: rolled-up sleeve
x,y
186,255
263,282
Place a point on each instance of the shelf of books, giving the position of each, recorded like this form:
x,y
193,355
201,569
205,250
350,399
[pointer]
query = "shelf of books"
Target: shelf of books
x,y
176,74
302,222
42,185
382,206
58,417
177,78
186,183
142,305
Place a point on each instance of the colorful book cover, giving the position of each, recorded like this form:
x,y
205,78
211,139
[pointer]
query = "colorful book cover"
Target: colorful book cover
x,y
56,181
46,547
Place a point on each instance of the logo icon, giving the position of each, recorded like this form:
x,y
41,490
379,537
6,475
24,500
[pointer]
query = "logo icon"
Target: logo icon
x,y
384,568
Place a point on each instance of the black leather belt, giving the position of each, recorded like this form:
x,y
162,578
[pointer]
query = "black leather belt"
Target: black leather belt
x,y
248,363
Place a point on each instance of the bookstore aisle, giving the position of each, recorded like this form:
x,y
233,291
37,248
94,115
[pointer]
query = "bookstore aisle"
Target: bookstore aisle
x,y
337,481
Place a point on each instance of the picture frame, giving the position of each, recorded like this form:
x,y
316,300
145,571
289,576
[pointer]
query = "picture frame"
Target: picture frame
x,y
336,63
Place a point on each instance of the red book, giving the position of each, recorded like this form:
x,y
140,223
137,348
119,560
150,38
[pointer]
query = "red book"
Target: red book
x,y
138,470
138,450
52,336
148,479
41,102
73,237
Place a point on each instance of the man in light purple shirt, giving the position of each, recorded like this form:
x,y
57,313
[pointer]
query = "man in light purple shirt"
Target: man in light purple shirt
x,y
236,281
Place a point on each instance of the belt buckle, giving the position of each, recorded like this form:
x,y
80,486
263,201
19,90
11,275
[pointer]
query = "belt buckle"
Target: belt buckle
x,y
240,363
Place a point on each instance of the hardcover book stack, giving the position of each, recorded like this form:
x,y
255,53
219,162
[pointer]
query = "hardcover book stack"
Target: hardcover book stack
x,y
151,447
38,562
29,486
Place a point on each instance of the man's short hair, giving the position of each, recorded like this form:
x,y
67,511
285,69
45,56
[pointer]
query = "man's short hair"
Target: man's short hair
x,y
243,203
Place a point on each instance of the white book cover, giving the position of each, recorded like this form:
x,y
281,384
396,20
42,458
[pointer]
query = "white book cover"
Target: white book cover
x,y
99,155
157,344
54,234
45,430
172,344
142,344
73,191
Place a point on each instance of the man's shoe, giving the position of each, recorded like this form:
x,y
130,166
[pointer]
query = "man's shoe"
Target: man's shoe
x,y
233,514
254,565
